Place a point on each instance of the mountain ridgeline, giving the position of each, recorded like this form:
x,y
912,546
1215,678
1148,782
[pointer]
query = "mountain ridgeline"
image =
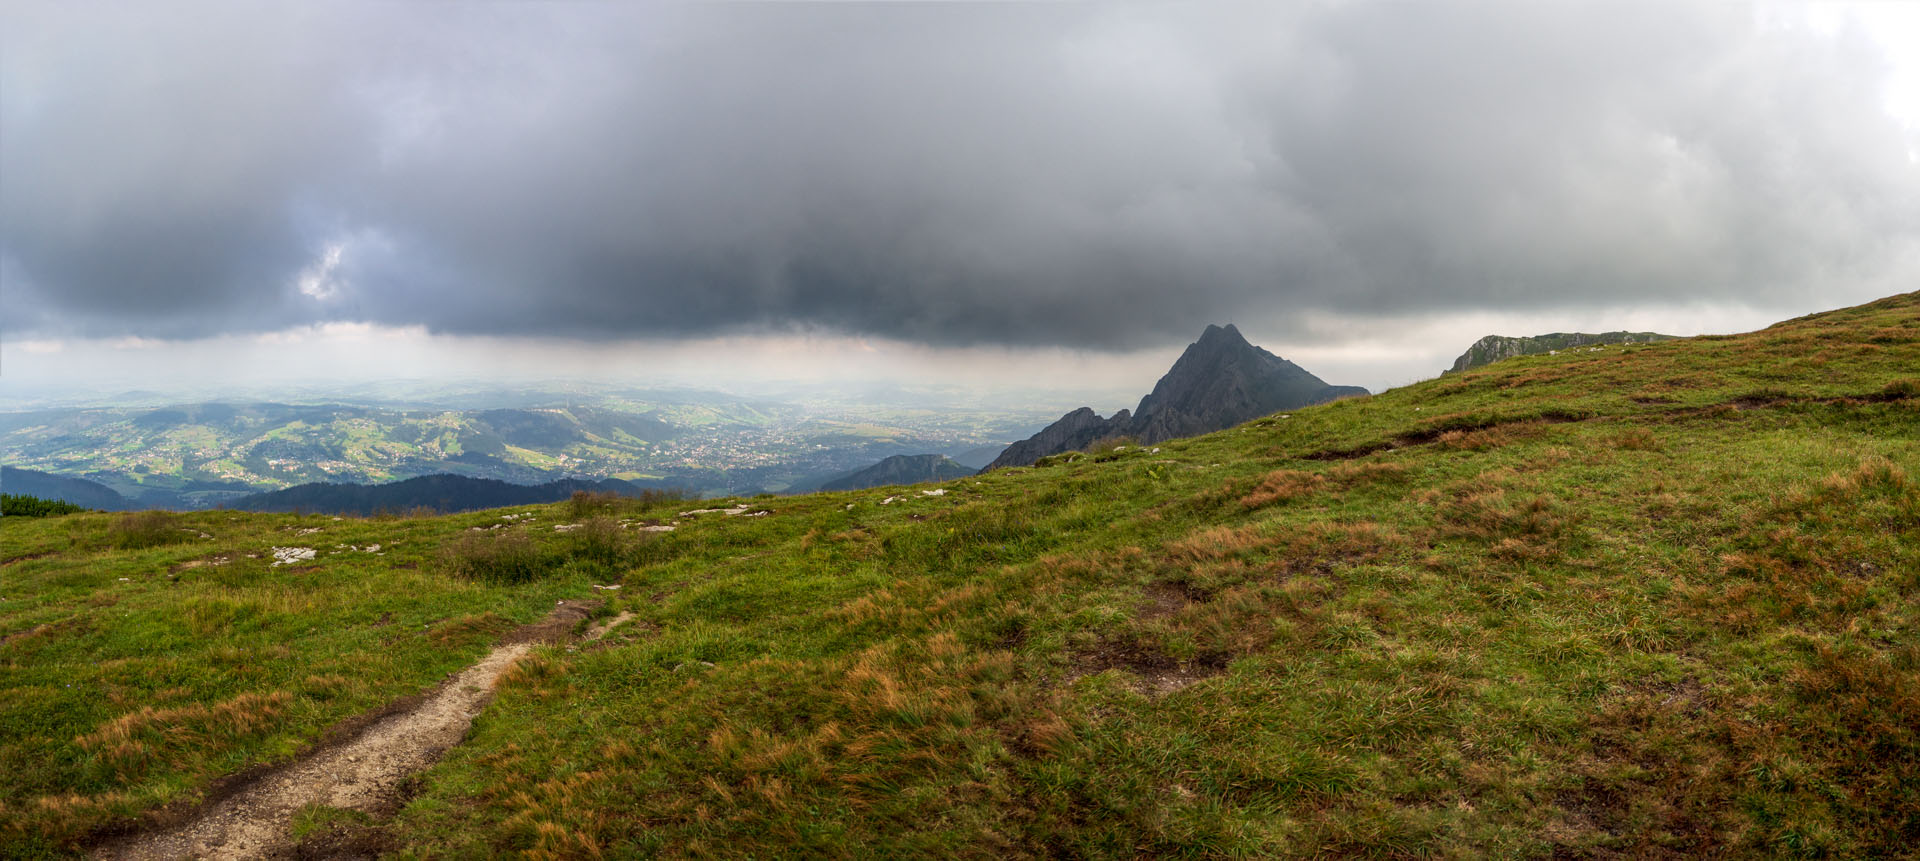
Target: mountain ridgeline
x,y
901,469
442,493
1493,348
1220,381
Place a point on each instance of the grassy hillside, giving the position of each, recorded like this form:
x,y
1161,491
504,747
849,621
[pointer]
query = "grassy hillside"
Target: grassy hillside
x,y
1661,599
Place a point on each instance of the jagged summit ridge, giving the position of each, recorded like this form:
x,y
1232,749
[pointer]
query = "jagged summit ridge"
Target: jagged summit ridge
x,y
1220,381
1493,348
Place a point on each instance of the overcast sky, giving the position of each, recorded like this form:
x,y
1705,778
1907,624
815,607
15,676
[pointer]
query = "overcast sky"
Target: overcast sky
x,y
948,191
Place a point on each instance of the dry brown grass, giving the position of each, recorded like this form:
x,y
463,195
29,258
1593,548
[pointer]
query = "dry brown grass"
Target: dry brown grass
x,y
1219,542
71,812
1484,510
537,676
1322,547
1488,438
325,686
1636,439
912,606
1282,485
1873,474
126,745
469,628
1212,558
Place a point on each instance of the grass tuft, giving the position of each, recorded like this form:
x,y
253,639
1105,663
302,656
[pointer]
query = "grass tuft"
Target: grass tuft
x,y
500,559
141,530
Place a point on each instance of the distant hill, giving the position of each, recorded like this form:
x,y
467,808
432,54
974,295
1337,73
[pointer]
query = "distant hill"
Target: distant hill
x,y
901,469
443,493
79,491
1493,348
975,458
1220,381
712,443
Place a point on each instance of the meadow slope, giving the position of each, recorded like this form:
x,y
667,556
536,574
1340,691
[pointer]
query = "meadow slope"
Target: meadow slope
x,y
1662,599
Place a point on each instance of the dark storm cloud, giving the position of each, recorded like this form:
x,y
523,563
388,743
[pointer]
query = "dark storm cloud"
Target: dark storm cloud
x,y
1081,175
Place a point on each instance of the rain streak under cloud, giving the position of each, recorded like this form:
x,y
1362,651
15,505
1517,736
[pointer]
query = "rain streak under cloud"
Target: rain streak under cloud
x,y
1080,176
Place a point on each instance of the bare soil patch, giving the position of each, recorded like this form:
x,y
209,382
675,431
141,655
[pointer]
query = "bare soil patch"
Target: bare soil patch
x,y
1167,599
1155,673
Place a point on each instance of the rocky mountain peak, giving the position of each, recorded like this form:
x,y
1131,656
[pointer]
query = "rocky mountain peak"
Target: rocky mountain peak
x,y
1215,333
1219,381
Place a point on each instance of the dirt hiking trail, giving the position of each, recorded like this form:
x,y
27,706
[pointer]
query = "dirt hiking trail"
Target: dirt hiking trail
x,y
365,770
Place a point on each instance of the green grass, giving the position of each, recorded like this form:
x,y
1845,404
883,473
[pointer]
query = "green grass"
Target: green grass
x,y
318,819
1659,600
145,655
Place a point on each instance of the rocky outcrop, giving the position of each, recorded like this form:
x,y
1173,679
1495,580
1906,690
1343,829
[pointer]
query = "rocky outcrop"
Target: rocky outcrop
x,y
1220,381
1493,348
1075,430
901,469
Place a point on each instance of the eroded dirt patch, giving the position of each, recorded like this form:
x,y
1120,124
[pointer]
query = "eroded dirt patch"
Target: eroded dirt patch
x,y
1153,672
1167,599
366,770
28,557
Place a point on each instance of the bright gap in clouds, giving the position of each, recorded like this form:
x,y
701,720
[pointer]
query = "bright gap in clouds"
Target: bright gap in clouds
x,y
317,281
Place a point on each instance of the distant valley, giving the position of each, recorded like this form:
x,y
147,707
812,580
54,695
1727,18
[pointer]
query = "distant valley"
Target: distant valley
x,y
201,455
312,456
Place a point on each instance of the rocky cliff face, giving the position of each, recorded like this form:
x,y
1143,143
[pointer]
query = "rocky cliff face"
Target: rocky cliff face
x,y
1220,381
1493,348
901,469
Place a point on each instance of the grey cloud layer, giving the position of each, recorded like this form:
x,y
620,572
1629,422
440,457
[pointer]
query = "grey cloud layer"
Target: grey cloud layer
x,y
1079,175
